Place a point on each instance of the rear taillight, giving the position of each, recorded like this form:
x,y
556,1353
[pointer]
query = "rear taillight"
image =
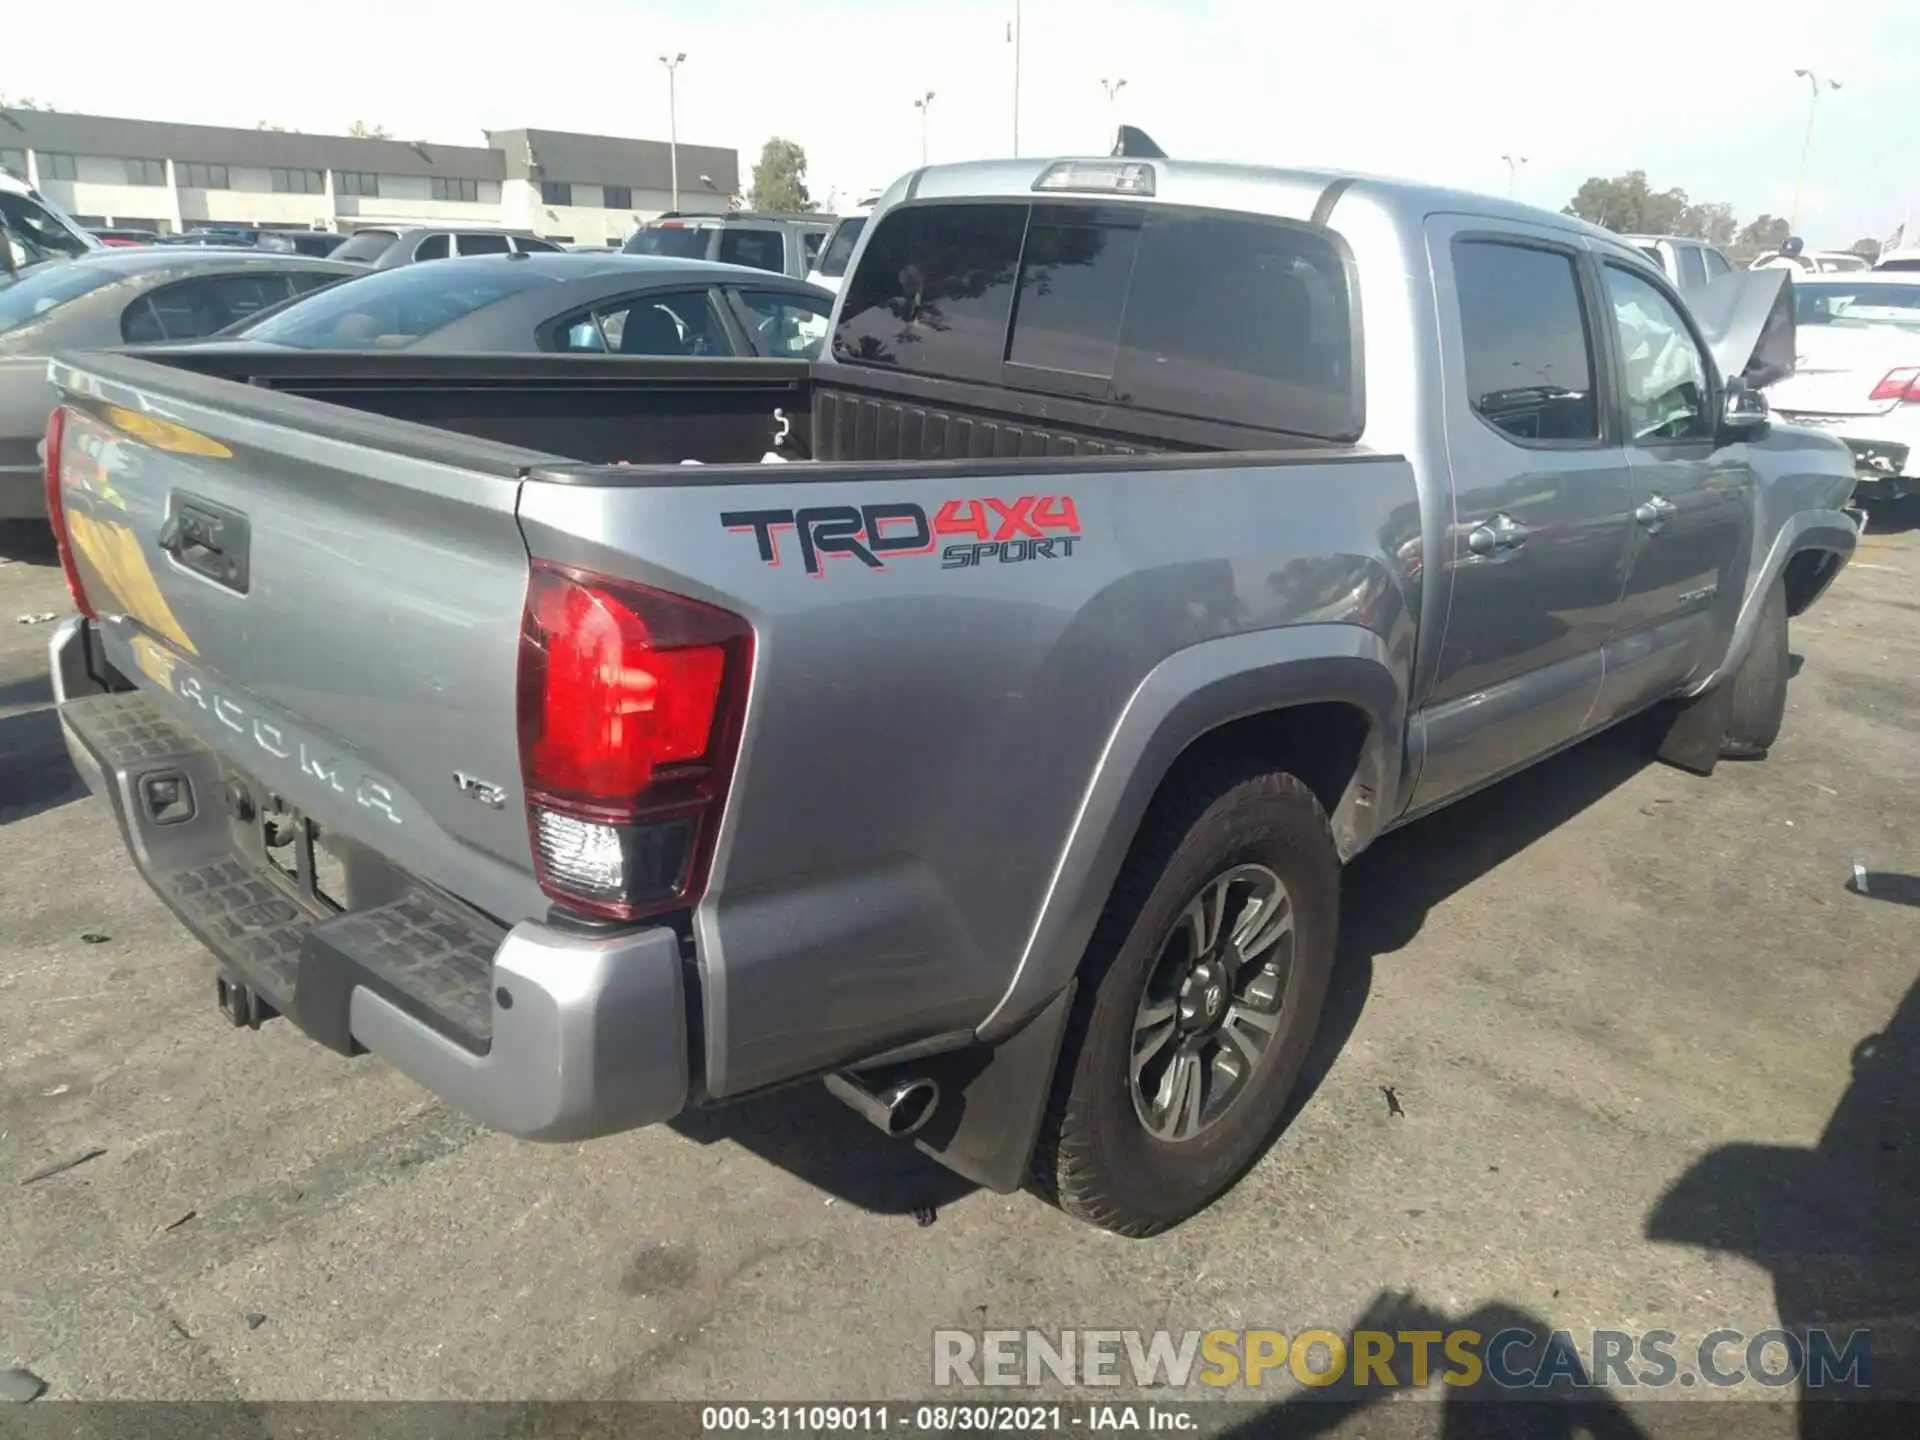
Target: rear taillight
x,y
1902,384
57,511
631,702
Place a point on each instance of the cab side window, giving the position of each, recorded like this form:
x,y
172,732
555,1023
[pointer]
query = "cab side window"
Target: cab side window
x,y
1525,341
1665,387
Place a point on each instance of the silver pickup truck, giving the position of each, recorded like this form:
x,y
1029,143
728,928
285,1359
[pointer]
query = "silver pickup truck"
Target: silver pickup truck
x,y
1157,535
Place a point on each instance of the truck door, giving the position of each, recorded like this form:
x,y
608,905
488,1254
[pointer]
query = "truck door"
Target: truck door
x,y
1692,498
1537,551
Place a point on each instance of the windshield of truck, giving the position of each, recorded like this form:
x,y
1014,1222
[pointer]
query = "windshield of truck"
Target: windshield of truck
x,y
47,287
677,242
1852,303
833,262
32,233
1233,318
390,309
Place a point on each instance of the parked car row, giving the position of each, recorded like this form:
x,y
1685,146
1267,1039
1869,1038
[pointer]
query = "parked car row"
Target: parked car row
x,y
521,302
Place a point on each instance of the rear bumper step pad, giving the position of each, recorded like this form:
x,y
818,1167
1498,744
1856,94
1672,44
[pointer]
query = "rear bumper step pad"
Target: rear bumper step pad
x,y
542,1032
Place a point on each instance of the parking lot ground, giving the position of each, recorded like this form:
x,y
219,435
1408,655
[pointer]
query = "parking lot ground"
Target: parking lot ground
x,y
1620,1011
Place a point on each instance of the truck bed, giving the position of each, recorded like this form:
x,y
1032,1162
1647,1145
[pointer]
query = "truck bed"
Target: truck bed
x,y
615,410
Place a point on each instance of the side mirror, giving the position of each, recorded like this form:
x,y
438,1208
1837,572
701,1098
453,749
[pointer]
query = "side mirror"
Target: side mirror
x,y
1745,413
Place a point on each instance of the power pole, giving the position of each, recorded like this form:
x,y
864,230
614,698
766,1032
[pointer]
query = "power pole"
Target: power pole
x,y
673,122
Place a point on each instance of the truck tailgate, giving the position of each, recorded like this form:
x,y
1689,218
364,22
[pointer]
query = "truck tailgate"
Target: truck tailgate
x,y
329,599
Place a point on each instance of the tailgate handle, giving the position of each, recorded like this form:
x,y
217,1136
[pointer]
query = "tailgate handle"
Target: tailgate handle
x,y
208,539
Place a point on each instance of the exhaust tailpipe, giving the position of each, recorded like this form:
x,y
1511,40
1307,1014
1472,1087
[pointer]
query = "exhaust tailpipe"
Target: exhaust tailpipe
x,y
899,1107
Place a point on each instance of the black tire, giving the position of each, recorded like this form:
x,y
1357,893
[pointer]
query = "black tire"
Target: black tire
x,y
1759,701
1095,1156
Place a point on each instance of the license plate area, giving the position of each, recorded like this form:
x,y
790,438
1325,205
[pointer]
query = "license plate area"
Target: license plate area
x,y
326,872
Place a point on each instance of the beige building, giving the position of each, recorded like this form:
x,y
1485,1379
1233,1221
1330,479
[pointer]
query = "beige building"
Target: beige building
x,y
151,175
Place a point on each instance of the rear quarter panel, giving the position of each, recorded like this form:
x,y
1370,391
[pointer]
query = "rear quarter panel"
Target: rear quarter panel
x,y
922,737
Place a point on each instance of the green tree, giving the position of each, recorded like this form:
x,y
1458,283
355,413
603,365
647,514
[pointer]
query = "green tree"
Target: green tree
x,y
360,130
1628,204
24,102
1866,246
1712,223
780,177
1762,236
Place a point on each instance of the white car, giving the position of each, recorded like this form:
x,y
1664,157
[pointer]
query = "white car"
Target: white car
x,y
830,266
1812,262
1907,257
1857,374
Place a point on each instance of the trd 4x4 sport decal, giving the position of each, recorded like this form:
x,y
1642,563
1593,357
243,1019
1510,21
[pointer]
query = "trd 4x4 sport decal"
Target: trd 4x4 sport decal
x,y
1002,532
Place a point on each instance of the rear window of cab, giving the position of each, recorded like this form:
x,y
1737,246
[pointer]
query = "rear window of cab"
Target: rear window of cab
x,y
1239,318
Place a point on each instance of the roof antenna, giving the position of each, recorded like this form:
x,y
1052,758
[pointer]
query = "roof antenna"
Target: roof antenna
x,y
1132,143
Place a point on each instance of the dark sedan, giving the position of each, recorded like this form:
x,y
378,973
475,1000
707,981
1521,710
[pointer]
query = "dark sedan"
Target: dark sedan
x,y
572,303
120,297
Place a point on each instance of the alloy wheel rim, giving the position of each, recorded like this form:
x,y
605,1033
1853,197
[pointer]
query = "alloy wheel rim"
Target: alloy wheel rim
x,y
1213,1003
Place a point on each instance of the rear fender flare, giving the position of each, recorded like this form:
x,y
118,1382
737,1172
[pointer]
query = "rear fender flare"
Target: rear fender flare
x,y
1187,695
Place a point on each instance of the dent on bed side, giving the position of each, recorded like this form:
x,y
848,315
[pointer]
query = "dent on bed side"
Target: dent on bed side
x,y
1225,691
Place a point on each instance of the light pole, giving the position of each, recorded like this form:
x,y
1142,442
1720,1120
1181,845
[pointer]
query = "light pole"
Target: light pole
x,y
1514,162
673,122
1113,89
924,104
1813,109
1013,34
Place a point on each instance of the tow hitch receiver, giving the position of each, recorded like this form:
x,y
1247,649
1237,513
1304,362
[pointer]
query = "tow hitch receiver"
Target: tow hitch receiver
x,y
240,1004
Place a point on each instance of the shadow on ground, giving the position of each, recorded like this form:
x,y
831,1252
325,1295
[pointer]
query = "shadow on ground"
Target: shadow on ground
x,y
1894,517
1836,1227
35,772
1387,896
28,542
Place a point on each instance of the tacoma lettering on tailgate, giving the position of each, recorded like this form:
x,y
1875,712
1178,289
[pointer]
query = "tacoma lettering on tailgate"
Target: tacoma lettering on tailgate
x,y
1004,532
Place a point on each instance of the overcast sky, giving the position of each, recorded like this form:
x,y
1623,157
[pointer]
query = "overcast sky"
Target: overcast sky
x,y
1702,96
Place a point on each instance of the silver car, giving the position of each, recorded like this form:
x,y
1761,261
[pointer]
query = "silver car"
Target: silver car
x,y
118,297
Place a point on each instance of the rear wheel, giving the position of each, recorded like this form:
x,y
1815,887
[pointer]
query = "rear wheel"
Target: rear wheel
x,y
1199,999
1759,686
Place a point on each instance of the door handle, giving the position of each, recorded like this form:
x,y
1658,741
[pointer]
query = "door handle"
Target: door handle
x,y
1655,513
1497,535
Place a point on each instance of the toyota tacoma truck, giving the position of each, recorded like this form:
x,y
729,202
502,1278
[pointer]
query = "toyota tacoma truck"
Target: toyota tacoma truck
x,y
1155,536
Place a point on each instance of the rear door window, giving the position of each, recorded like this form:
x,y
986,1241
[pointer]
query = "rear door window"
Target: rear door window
x,y
484,245
1236,318
759,249
192,309
366,246
1526,344
676,242
833,262
434,247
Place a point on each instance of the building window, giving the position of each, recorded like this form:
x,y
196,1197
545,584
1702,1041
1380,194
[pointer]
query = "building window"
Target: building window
x,y
195,176
355,182
146,172
445,189
14,161
299,182
619,197
556,192
57,167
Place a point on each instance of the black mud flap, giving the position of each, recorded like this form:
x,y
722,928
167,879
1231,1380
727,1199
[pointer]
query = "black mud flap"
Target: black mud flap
x,y
993,1099
1690,734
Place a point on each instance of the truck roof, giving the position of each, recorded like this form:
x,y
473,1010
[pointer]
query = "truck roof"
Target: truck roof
x,y
1257,189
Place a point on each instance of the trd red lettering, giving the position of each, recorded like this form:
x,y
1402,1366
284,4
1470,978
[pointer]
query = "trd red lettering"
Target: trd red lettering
x,y
1014,518
962,517
1057,513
